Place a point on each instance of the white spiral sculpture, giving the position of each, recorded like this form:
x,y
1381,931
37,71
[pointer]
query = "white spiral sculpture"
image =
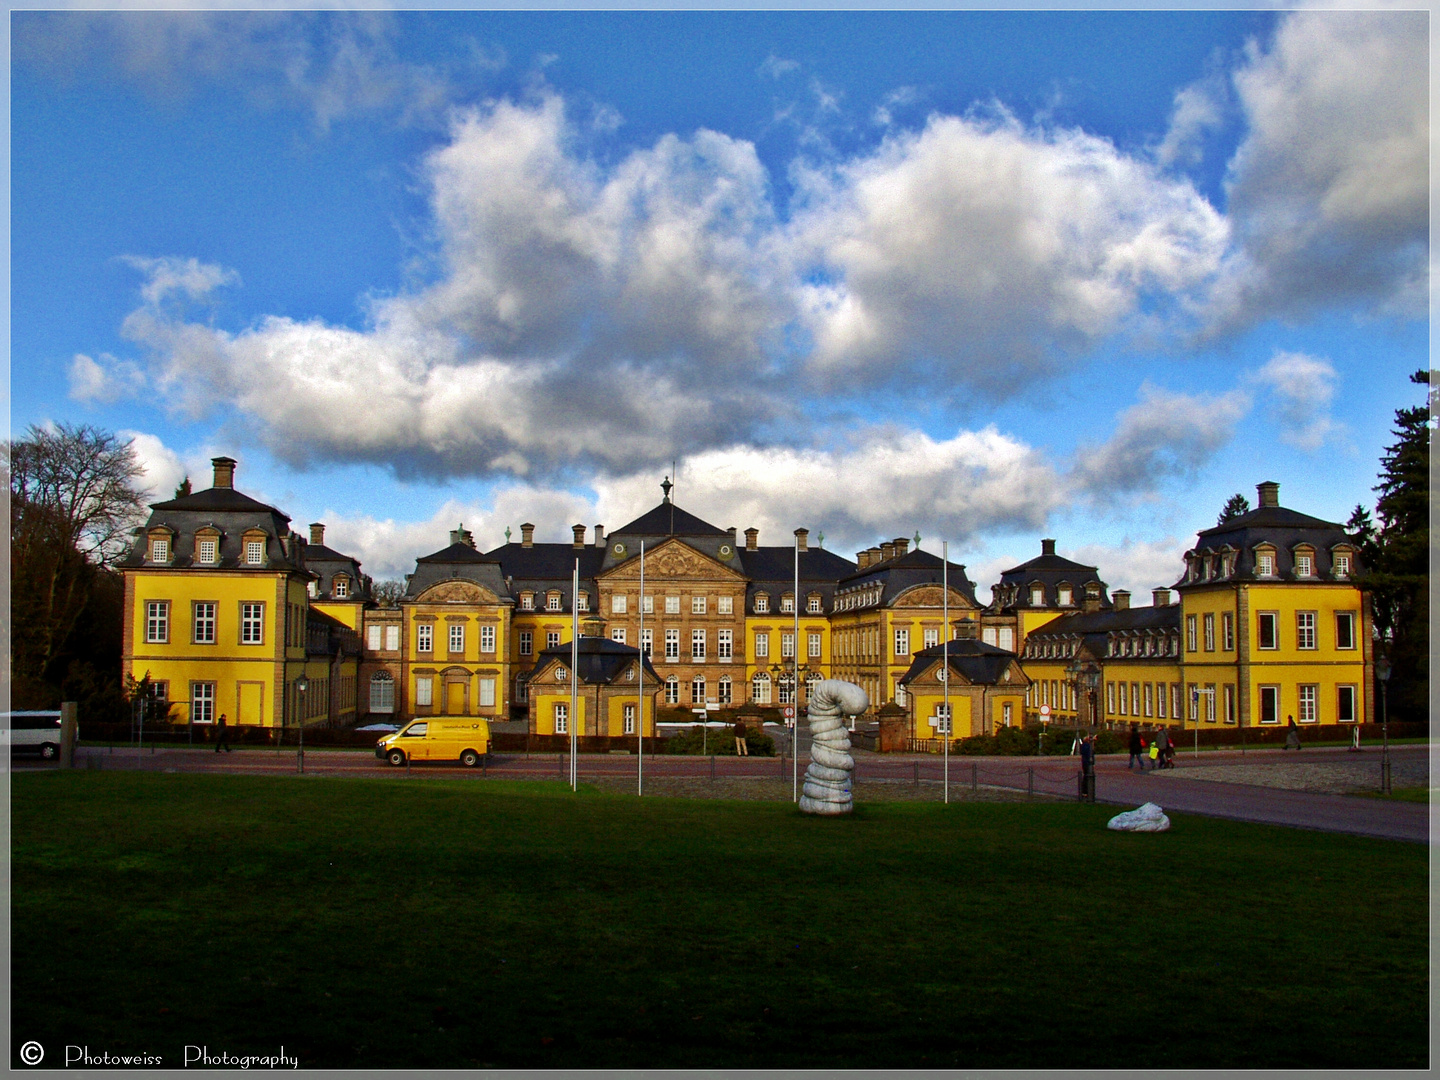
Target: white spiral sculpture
x,y
827,777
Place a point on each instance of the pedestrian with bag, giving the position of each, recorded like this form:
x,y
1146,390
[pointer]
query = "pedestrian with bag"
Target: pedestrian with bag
x,y
224,739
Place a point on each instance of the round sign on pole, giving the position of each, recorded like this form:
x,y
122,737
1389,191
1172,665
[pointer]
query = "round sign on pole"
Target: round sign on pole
x,y
789,712
1045,710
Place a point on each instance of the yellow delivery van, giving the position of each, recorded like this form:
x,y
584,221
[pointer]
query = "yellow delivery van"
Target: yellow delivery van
x,y
465,739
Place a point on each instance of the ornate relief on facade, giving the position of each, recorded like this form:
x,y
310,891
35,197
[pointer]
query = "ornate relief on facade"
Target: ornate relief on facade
x,y
457,592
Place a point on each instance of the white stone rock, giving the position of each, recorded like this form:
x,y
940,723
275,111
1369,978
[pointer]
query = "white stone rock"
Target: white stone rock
x,y
1148,818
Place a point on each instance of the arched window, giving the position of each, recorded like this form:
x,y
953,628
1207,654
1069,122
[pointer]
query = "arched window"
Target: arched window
x,y
723,693
672,690
810,681
787,689
760,689
382,692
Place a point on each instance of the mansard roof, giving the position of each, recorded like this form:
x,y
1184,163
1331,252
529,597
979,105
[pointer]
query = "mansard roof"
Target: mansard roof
x,y
1166,617
902,572
547,562
601,661
978,663
777,564
218,500
667,519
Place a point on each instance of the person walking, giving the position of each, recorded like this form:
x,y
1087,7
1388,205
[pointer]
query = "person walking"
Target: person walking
x,y
1292,736
1137,748
224,739
1162,748
742,748
1087,769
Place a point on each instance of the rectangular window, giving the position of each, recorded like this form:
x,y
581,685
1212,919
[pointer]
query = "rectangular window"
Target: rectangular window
x,y
617,604
1302,565
814,646
629,719
697,605
552,602
762,603
254,552
1209,631
392,637
562,718
697,690
1110,698
1269,704
618,635
1342,565
202,703
647,605
372,637
487,639
787,644
582,601
787,604
204,622
725,605
812,605
1268,629
647,641
159,550
457,637
157,622
725,647
672,644
1124,699
527,642
207,551
1308,696
902,642
552,639
672,691
424,638
932,636
1229,703
487,693
1149,699
672,605
342,588
697,644
1194,702
1305,629
1265,564
1227,632
252,624
762,646
1344,630
424,690
1160,694
527,601
1210,703
1190,643
1345,710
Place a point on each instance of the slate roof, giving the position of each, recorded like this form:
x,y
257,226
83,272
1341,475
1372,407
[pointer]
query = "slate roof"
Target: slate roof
x,y
326,562
1049,571
600,661
904,572
218,499
227,510
1282,528
978,663
667,519
458,562
1094,629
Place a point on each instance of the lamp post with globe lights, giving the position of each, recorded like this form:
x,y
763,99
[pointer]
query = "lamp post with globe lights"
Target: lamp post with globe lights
x,y
1382,672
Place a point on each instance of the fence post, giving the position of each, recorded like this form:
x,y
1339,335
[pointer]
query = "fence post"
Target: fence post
x,y
1030,783
69,722
974,779
915,765
712,768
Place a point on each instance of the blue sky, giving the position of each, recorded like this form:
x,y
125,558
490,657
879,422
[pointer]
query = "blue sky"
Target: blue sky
x,y
985,276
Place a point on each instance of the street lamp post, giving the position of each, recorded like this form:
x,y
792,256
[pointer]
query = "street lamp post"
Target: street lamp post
x,y
1382,672
302,684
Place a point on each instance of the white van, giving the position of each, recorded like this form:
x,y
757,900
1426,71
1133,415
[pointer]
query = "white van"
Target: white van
x,y
33,732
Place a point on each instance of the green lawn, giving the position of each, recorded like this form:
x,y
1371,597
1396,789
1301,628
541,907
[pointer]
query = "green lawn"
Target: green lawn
x,y
463,923
1400,794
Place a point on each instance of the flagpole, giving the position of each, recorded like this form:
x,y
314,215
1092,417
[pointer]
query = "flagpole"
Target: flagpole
x,y
574,673
795,683
640,765
945,651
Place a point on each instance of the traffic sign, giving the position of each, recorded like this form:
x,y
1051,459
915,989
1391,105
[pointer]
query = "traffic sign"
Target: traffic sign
x,y
1045,710
789,712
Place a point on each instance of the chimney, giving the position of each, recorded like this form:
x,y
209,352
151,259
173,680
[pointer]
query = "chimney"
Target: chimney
x,y
862,559
579,531
752,539
1047,547
462,535
1160,597
317,532
900,545
802,539
224,471
527,535
731,531
1120,600
1092,598
887,550
1269,491
600,536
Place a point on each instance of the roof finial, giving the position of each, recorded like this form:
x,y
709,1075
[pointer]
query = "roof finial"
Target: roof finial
x,y
820,537
665,486
507,534
917,539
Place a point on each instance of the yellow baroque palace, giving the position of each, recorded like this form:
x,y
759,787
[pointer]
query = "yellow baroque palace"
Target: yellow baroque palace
x,y
227,609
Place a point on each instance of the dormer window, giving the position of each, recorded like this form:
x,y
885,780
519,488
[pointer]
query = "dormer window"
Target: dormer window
x,y
1265,564
1065,596
787,603
341,587
1304,563
1037,596
582,601
812,605
1341,561
313,589
762,602
527,601
207,550
159,549
254,552
552,601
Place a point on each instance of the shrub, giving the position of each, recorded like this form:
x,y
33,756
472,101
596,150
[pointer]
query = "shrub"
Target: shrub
x,y
719,741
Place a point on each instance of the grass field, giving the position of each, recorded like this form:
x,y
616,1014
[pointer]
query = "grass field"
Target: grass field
x,y
462,923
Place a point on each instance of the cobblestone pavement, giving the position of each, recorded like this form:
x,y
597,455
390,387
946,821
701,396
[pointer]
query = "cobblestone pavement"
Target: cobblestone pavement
x,y
1358,773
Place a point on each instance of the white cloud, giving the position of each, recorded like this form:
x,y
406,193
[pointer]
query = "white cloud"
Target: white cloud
x,y
169,275
1137,565
104,381
972,252
775,67
1164,436
1329,191
1302,389
162,468
1198,110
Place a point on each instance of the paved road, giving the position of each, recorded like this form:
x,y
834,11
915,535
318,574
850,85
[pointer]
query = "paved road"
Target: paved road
x,y
1172,789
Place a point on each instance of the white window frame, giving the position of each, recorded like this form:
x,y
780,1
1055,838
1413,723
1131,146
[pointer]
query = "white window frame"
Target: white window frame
x,y
552,639
1272,692
487,693
373,637
392,637
157,622
697,605
424,690
760,688
672,690
647,642
629,719
902,641
1273,619
647,604
725,605
1342,693
207,551
487,639
812,605
552,602
672,645
724,690
203,622
1304,566
1307,703
455,638
561,718
672,605
617,604
617,634
697,644
527,643
1342,564
202,703
787,644
1347,619
1209,623
725,645
424,638
159,550
697,690
816,645
787,604
1305,636
340,587
252,623
762,646
762,603
254,552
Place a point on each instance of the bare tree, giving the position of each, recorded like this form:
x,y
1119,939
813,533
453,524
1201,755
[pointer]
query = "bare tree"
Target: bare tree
x,y
388,593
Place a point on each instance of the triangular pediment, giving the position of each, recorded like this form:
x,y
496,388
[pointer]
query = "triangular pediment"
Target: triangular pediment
x,y
671,560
